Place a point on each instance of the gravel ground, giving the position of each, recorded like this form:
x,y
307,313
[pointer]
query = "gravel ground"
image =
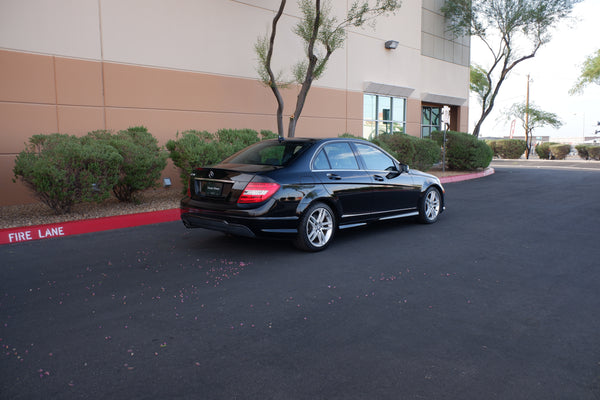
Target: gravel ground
x,y
39,213
152,200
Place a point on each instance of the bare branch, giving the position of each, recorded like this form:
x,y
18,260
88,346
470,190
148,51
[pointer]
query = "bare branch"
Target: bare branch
x,y
507,23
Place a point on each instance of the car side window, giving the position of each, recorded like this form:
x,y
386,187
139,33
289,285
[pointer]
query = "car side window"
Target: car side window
x,y
375,159
340,156
321,161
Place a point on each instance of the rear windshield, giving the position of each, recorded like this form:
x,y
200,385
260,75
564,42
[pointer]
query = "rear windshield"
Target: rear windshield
x,y
269,153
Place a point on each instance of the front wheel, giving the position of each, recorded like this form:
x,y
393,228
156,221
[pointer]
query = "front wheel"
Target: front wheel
x,y
430,206
316,228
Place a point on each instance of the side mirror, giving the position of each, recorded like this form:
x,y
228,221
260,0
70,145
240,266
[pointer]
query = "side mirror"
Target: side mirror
x,y
404,168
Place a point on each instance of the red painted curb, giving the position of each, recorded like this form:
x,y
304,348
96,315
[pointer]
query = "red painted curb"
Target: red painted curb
x,y
46,231
465,177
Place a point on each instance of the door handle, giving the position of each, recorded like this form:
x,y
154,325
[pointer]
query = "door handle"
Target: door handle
x,y
334,177
378,178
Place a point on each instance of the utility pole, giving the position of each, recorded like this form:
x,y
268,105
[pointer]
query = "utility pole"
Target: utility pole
x,y
527,139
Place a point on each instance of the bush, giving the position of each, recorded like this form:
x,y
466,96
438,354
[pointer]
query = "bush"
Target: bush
x,y
493,146
427,153
64,170
509,148
233,140
399,145
582,151
418,153
351,136
543,150
192,148
266,134
379,142
594,152
588,152
143,160
560,151
464,151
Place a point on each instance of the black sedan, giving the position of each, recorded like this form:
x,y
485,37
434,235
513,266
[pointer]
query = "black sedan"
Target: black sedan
x,y
306,189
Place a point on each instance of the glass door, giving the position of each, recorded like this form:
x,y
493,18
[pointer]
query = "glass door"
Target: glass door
x,y
430,120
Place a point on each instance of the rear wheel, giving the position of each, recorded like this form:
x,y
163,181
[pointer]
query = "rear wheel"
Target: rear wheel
x,y
430,206
316,228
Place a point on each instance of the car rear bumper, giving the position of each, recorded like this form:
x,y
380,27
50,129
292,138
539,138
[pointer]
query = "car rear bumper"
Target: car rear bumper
x,y
191,220
236,223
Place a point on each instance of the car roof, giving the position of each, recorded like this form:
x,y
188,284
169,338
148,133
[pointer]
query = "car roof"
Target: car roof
x,y
314,140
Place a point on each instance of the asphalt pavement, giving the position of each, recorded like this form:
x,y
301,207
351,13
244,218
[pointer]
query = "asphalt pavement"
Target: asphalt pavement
x,y
498,300
573,163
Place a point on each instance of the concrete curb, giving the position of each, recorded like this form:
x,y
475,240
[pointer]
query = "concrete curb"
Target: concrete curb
x,y
47,231
465,177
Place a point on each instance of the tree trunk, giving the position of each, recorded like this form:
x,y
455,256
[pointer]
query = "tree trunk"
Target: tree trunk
x,y
273,84
477,128
312,63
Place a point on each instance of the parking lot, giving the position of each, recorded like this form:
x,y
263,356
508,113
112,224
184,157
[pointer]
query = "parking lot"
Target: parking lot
x,y
498,300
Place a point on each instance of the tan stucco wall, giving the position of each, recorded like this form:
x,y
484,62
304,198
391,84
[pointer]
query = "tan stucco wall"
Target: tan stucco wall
x,y
47,94
75,66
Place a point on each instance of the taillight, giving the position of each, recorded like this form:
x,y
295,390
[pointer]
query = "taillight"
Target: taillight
x,y
255,192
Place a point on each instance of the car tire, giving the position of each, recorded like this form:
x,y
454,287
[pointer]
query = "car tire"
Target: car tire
x,y
316,228
430,206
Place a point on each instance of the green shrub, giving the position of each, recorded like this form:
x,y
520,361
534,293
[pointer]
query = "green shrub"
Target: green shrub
x,y
582,151
351,136
418,153
594,152
588,152
192,148
234,140
379,142
64,170
464,151
266,134
509,148
543,150
427,154
400,146
493,146
560,151
143,160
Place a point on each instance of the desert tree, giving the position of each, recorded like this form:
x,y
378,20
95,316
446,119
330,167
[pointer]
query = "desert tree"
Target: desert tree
x,y
532,117
511,30
322,34
479,83
590,73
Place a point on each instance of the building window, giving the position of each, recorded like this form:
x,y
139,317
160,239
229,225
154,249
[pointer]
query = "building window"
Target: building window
x,y
436,39
430,120
383,114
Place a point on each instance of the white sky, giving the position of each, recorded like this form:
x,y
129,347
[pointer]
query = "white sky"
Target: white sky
x,y
554,70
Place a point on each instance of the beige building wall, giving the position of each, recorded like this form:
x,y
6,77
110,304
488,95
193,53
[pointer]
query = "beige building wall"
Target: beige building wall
x,y
73,67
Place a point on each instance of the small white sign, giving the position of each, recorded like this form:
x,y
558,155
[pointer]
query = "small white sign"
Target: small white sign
x,y
446,115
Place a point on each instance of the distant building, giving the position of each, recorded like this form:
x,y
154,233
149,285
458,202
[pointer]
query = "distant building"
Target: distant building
x,y
536,139
76,66
577,140
545,139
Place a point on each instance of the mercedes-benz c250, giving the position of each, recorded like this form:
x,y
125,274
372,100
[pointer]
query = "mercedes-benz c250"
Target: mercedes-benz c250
x,y
306,190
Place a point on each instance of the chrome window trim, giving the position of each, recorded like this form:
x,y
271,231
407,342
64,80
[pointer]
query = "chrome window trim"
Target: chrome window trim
x,y
213,180
378,212
312,160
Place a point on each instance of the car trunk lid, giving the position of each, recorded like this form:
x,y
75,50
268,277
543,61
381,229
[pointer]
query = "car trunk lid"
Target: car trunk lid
x,y
224,185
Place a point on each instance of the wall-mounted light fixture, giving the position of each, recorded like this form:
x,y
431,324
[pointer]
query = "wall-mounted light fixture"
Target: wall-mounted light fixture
x,y
391,44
